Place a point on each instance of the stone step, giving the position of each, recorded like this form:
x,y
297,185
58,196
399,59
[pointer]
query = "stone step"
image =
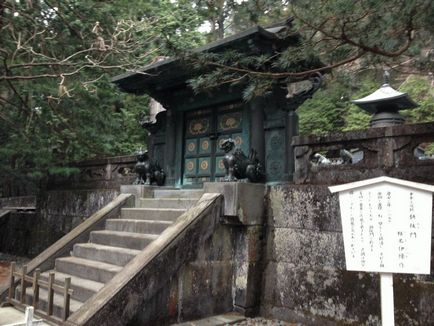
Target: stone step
x,y
83,288
74,305
129,240
137,226
156,214
183,193
184,203
85,268
107,254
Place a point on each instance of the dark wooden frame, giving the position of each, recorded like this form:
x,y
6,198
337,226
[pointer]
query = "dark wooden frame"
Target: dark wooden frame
x,y
37,283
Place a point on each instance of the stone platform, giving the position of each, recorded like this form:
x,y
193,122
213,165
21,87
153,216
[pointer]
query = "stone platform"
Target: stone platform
x,y
12,316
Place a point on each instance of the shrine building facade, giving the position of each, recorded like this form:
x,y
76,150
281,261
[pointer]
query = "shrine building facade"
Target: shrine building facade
x,y
185,137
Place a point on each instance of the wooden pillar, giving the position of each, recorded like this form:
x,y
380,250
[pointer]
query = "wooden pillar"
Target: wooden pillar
x,y
276,136
292,130
170,148
257,134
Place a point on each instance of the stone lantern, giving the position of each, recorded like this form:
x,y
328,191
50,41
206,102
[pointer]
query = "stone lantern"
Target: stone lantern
x,y
385,104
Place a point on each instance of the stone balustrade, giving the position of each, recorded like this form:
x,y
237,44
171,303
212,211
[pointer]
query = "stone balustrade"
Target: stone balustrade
x,y
394,151
102,173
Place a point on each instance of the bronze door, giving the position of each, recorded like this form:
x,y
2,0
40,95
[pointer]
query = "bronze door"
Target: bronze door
x,y
205,129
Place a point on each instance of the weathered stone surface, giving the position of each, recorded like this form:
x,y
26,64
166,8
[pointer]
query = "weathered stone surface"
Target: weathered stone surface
x,y
15,234
199,282
248,268
138,191
103,173
57,213
306,248
46,259
335,297
163,306
22,201
321,293
308,207
305,278
300,318
172,279
413,301
219,247
249,243
242,200
231,318
76,205
386,151
247,276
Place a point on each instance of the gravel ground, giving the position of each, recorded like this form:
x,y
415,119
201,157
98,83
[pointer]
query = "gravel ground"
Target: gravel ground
x,y
265,322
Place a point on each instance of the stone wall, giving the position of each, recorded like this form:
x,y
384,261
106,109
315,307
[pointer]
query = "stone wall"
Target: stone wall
x,y
16,236
202,287
104,173
21,201
65,209
57,213
203,284
62,204
305,278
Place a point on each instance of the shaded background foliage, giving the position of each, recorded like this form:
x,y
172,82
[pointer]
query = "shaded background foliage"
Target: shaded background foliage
x,y
57,105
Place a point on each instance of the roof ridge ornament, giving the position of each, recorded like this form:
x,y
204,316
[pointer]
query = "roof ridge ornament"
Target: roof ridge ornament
x,y
386,76
298,98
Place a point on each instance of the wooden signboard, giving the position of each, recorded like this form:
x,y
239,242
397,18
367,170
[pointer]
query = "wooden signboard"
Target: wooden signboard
x,y
386,225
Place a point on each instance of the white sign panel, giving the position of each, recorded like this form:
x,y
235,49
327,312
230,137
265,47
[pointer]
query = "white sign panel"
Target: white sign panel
x,y
386,228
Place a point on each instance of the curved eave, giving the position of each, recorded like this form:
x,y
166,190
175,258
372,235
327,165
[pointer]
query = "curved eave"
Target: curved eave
x,y
171,72
385,96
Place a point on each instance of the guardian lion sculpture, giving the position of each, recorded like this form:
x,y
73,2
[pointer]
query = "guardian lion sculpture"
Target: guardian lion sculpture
x,y
238,165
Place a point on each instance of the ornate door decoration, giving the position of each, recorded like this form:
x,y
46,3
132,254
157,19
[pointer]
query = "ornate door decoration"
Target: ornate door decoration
x,y
204,131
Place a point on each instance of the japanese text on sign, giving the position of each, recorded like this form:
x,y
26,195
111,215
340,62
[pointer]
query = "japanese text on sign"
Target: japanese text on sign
x,y
387,228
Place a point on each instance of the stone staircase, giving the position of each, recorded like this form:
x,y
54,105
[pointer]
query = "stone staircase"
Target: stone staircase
x,y
92,264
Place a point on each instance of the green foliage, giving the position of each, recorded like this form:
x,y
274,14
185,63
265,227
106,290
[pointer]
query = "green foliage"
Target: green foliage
x,y
422,92
57,104
257,12
332,34
56,134
331,110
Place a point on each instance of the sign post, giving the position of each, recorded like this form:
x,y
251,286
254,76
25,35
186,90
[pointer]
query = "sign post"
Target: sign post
x,y
386,285
386,226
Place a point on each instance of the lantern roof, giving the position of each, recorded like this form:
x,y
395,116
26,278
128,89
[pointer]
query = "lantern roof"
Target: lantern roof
x,y
385,96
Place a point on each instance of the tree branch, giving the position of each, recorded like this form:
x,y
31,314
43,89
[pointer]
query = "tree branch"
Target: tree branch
x,y
279,75
345,38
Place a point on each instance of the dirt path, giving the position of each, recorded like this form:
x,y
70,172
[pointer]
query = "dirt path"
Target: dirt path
x,y
4,272
5,262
